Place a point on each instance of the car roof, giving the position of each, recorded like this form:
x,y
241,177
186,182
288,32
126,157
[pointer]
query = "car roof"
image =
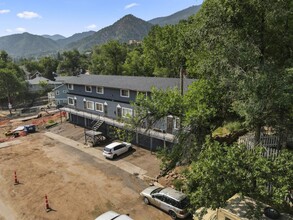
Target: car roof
x,y
173,193
112,145
111,215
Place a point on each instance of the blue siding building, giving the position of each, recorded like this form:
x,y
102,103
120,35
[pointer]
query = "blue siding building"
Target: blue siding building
x,y
107,99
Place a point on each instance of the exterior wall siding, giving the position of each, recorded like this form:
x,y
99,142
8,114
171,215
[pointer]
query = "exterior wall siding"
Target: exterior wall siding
x,y
109,94
111,98
142,140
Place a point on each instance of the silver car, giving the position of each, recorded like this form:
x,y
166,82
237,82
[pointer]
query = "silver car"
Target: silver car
x,y
167,199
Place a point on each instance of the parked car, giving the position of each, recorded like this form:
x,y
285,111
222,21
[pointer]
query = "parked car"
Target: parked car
x,y
111,215
175,203
115,149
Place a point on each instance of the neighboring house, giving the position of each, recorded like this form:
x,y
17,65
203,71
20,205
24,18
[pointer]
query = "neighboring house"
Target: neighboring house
x,y
241,208
58,95
94,98
35,85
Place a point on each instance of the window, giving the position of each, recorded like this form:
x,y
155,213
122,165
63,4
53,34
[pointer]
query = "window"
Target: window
x,y
100,90
70,86
70,101
99,107
57,92
126,112
124,93
177,123
160,197
88,88
90,105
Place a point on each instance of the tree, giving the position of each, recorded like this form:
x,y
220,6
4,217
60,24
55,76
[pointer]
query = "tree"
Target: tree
x,y
134,64
239,45
4,56
72,63
109,58
163,51
49,66
10,85
221,171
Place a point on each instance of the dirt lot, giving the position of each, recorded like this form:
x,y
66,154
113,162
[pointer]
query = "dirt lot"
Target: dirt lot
x,y
78,185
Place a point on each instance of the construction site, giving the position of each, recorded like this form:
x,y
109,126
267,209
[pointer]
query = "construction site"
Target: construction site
x,y
49,172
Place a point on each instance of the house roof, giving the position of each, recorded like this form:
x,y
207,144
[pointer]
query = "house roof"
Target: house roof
x,y
39,79
135,83
59,86
62,78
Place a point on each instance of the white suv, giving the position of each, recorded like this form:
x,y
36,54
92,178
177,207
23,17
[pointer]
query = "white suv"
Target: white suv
x,y
115,149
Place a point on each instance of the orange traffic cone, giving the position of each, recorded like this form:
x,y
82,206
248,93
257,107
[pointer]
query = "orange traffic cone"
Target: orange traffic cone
x,y
16,182
48,209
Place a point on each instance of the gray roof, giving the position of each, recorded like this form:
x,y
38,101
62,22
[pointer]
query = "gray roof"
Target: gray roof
x,y
135,83
62,78
39,79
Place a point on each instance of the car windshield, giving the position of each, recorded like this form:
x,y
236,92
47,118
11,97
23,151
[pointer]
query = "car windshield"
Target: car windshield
x,y
107,149
156,190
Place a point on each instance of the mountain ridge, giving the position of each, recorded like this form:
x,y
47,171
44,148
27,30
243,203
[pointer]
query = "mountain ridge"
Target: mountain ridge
x,y
125,29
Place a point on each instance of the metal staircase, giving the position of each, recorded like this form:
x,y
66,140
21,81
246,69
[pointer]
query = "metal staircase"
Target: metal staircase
x,y
97,125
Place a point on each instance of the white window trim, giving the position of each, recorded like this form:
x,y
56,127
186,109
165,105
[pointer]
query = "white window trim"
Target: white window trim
x,y
93,106
98,109
70,86
176,125
124,90
101,88
125,116
69,98
88,87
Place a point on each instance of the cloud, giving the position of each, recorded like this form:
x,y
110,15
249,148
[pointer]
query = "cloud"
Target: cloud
x,y
130,5
91,27
28,15
20,29
4,11
9,30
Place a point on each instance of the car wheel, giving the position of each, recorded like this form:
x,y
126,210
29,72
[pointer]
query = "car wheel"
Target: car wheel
x,y
172,214
114,156
146,200
271,213
130,149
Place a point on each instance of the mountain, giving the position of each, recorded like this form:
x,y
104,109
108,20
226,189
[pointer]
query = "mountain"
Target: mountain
x,y
74,38
127,28
27,45
54,37
176,17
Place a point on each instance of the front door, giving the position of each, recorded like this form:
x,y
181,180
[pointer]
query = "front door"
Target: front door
x,y
119,112
170,124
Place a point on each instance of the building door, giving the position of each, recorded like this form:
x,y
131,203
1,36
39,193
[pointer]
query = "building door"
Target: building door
x,y
119,112
106,109
170,124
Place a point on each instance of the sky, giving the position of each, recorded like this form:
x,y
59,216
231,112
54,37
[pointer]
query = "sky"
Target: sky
x,y
67,17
